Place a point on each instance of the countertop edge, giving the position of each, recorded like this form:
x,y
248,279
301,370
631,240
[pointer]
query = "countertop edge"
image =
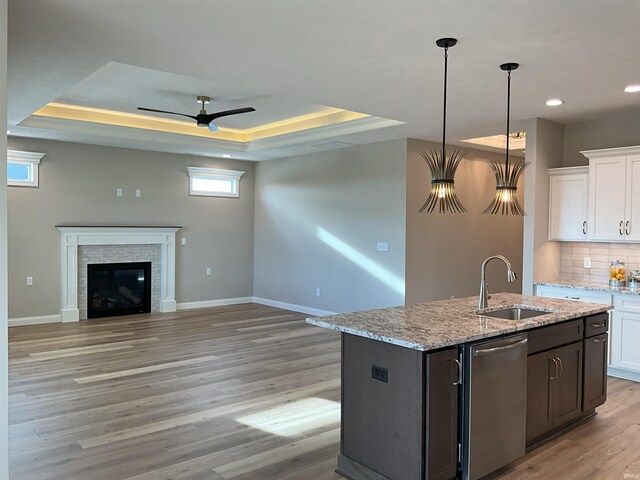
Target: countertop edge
x,y
586,286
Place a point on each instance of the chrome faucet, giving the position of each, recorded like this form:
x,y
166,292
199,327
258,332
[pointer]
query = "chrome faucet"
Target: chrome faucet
x,y
484,292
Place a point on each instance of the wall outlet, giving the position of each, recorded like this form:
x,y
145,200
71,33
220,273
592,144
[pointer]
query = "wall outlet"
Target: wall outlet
x,y
587,262
138,193
208,271
317,292
382,247
118,192
183,240
29,281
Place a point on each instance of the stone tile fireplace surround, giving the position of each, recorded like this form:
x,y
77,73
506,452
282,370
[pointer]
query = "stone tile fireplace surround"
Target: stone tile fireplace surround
x,y
81,245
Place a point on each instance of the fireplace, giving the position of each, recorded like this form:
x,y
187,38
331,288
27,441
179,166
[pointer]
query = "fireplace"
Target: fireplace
x,y
118,289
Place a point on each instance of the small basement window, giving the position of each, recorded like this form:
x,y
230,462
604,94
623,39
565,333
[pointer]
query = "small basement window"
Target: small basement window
x,y
22,168
214,182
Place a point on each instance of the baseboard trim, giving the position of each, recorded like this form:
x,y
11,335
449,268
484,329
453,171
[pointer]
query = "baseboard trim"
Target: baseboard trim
x,y
214,303
40,320
293,307
622,373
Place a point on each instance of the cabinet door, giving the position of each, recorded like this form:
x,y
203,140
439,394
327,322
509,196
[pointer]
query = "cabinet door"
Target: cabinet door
x,y
595,372
625,338
442,428
540,372
568,207
567,387
632,228
607,198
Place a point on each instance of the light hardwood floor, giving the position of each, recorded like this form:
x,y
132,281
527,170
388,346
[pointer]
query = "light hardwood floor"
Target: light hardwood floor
x,y
239,392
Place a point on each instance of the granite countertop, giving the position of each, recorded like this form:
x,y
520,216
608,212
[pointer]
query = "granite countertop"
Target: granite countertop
x,y
594,286
428,326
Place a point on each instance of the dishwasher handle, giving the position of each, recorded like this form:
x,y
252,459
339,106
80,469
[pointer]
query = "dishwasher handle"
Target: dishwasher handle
x,y
489,351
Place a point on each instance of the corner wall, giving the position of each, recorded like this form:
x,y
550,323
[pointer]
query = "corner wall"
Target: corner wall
x,y
78,186
317,220
541,258
4,343
445,251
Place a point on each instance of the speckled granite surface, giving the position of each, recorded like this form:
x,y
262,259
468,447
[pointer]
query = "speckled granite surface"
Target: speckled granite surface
x,y
427,326
596,287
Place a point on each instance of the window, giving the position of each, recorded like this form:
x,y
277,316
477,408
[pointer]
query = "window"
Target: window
x,y
214,182
22,168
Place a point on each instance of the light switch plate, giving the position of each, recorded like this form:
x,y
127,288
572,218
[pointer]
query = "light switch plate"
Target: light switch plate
x,y
183,240
29,281
208,270
382,247
118,192
138,193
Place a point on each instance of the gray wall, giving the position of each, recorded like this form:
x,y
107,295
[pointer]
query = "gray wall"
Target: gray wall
x,y
445,251
4,394
544,151
78,185
620,129
317,220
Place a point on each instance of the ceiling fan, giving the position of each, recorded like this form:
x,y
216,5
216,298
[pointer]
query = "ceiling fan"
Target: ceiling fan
x,y
205,119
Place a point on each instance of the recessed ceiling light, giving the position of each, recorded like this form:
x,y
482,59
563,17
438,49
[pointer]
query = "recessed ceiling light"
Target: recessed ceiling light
x,y
226,155
554,102
8,132
632,88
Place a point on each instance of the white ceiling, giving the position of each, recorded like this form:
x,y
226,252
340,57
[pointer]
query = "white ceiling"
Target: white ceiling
x,y
369,56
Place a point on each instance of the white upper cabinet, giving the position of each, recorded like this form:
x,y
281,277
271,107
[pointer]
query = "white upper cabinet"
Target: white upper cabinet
x,y
632,228
614,194
568,199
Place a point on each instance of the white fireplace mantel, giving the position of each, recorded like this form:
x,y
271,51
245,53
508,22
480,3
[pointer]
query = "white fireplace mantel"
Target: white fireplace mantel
x,y
74,236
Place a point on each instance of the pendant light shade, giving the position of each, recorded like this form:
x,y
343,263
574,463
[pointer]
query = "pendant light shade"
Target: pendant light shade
x,y
505,200
443,168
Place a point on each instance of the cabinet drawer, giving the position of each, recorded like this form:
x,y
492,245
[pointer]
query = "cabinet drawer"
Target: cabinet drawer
x,y
627,302
554,336
575,294
596,324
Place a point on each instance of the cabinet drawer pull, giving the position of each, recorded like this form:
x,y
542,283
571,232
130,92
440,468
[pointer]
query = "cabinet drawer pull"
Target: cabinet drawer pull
x,y
561,367
555,362
620,227
584,227
598,325
627,230
459,380
572,298
597,340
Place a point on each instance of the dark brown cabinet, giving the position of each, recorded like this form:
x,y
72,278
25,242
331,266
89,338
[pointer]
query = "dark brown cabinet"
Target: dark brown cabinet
x,y
399,411
595,372
554,389
566,374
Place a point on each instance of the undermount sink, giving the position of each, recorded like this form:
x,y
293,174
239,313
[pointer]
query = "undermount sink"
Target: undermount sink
x,y
516,313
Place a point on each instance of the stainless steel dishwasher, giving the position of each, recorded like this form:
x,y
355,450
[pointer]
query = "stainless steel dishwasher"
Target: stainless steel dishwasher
x,y
494,404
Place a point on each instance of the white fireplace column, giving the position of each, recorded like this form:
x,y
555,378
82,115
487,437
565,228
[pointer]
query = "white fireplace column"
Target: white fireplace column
x,y
74,236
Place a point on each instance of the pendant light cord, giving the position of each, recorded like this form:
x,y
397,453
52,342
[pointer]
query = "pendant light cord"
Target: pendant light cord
x,y
506,163
444,112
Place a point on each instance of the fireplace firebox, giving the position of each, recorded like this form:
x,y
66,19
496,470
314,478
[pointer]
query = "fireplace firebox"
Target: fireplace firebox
x,y
118,289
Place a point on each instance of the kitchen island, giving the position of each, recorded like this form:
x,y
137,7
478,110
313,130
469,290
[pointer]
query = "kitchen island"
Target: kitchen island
x,y
414,403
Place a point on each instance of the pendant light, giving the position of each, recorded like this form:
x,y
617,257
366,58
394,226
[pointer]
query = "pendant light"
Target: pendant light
x,y
443,168
505,201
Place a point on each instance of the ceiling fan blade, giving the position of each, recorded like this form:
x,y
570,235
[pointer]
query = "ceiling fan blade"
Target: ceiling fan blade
x,y
213,127
165,111
226,113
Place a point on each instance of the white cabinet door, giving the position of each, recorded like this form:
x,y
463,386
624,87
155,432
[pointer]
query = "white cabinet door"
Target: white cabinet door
x,y
624,338
632,220
607,198
568,198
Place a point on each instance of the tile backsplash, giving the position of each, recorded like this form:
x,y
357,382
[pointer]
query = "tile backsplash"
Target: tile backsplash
x,y
572,255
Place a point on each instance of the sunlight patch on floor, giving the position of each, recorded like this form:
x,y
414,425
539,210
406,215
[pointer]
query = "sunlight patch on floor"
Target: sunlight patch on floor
x,y
295,418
